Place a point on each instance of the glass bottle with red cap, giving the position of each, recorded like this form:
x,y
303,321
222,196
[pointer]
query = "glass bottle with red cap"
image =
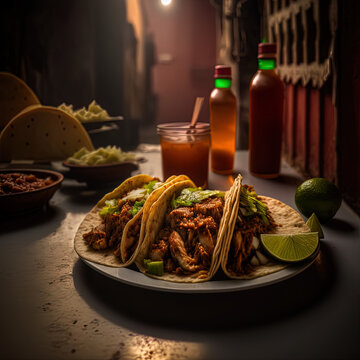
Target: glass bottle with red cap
x,y
266,103
222,122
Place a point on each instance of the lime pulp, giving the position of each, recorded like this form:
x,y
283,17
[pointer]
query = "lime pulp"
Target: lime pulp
x,y
292,247
314,224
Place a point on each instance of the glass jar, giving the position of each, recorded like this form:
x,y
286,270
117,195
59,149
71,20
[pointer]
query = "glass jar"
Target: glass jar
x,y
185,150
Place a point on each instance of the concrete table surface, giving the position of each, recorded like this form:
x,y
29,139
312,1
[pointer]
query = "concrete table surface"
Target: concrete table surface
x,y
53,306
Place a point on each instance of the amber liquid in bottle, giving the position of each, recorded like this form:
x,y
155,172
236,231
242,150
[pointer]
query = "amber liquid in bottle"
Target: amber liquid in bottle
x,y
266,100
223,127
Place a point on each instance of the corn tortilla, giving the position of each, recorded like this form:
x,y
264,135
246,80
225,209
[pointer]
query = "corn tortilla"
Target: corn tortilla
x,y
15,96
42,133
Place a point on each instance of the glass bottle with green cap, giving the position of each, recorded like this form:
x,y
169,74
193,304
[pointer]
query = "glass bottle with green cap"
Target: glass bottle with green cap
x,y
266,104
222,122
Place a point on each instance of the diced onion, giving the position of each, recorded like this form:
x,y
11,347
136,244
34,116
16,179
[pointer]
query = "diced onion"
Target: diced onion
x,y
262,258
254,261
255,242
136,194
157,185
243,211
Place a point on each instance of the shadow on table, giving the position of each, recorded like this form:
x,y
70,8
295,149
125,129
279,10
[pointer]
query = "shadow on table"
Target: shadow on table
x,y
340,226
288,179
33,218
84,194
134,307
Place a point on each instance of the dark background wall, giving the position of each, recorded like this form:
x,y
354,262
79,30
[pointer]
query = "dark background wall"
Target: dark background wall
x,y
67,51
148,66
348,93
185,51
318,55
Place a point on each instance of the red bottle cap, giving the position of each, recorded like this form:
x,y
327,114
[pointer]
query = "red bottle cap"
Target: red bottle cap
x,y
265,49
222,71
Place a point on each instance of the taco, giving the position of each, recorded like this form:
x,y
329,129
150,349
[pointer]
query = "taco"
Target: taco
x,y
184,234
111,233
242,256
42,133
15,96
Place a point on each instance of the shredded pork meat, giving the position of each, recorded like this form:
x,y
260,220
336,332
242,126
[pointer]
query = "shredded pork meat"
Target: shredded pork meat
x,y
241,249
179,253
96,238
187,241
109,233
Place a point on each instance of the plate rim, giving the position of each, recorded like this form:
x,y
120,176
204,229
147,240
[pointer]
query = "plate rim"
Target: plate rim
x,y
212,286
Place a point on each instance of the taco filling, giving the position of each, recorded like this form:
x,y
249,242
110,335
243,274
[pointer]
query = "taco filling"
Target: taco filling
x,y
186,242
253,218
115,215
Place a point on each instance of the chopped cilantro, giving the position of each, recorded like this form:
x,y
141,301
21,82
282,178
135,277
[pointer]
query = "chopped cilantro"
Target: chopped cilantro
x,y
150,186
110,207
137,207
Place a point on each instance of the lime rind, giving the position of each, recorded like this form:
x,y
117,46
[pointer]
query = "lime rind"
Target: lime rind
x,y
292,247
314,224
319,196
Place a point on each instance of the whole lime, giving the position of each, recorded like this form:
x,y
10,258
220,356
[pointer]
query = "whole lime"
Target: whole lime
x,y
318,196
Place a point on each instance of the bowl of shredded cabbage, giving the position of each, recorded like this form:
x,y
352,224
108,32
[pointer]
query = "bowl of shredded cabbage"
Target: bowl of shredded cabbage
x,y
105,164
91,117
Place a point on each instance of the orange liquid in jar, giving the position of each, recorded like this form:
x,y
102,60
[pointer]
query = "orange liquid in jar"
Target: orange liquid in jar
x,y
266,99
189,158
223,130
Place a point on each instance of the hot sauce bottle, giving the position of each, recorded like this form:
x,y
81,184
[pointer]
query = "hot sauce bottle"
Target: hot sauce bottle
x,y
222,122
266,97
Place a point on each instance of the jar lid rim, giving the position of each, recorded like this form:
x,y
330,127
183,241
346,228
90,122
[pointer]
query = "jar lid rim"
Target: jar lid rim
x,y
183,127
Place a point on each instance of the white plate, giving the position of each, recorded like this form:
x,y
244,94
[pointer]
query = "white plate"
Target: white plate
x,y
136,278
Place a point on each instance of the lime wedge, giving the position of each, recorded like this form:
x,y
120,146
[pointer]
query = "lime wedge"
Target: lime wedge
x,y
290,248
314,224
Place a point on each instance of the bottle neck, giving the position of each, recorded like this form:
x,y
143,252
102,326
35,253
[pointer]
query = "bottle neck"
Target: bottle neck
x,y
266,64
222,83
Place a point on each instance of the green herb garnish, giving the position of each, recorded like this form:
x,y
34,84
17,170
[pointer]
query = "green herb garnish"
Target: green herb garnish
x,y
252,205
150,186
137,207
111,207
190,196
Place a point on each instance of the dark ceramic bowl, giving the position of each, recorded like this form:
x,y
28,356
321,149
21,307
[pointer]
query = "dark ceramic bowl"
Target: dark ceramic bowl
x,y
16,203
93,125
100,174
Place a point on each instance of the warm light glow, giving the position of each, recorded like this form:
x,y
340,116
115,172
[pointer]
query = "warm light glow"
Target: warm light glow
x,y
166,2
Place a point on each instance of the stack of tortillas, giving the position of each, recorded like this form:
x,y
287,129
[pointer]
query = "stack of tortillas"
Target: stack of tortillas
x,y
31,131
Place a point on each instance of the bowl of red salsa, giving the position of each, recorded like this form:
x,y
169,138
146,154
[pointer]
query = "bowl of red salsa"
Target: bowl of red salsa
x,y
23,190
